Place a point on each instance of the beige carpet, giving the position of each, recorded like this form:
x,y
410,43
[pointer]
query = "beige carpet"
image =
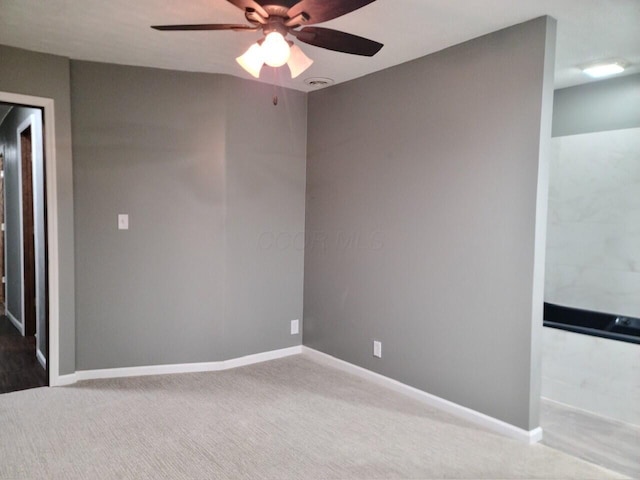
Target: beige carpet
x,y
286,419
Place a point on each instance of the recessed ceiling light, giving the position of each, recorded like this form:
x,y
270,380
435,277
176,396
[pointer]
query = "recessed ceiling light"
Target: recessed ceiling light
x,y
604,69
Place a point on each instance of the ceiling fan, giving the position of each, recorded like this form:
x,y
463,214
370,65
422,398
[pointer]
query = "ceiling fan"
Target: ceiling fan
x,y
279,18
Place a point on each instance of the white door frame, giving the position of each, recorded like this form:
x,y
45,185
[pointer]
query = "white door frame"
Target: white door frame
x,y
47,104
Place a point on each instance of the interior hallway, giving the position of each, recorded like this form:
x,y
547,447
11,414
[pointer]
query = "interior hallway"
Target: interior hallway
x,y
19,368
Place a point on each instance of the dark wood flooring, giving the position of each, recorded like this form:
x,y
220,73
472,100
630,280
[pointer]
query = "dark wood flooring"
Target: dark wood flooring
x,y
19,367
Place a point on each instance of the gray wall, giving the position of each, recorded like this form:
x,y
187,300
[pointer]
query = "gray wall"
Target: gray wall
x,y
203,164
422,185
42,75
266,150
595,107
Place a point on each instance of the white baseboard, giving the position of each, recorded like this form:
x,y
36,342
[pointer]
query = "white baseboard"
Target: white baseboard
x,y
490,423
63,380
587,412
15,322
177,368
41,359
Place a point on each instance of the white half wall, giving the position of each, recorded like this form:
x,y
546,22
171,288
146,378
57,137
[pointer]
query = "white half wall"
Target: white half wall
x,y
592,373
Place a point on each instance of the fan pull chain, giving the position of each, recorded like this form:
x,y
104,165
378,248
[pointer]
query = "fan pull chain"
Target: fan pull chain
x,y
275,89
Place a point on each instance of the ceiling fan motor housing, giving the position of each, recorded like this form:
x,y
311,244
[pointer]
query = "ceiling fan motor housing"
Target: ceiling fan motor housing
x,y
277,20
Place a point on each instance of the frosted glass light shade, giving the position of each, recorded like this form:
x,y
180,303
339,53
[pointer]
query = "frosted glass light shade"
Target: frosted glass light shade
x,y
252,60
298,61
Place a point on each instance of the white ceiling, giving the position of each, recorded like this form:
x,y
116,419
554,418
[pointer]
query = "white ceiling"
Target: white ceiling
x,y
117,31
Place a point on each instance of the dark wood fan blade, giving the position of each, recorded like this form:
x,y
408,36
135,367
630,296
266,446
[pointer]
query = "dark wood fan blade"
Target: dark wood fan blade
x,y
206,26
249,4
338,41
280,3
324,10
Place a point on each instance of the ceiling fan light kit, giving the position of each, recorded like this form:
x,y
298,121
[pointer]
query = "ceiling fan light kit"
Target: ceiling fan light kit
x,y
274,56
279,18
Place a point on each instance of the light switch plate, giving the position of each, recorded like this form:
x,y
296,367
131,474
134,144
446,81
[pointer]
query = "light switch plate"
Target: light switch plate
x,y
123,221
295,327
377,349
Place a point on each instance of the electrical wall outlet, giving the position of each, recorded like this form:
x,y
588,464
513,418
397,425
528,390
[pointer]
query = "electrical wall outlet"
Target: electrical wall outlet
x,y
377,349
295,327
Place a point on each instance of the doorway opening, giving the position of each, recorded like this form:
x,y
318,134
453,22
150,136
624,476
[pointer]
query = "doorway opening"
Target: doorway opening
x,y
2,252
591,334
24,323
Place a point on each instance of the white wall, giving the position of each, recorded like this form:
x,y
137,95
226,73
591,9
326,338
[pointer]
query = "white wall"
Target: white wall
x,y
592,373
593,249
